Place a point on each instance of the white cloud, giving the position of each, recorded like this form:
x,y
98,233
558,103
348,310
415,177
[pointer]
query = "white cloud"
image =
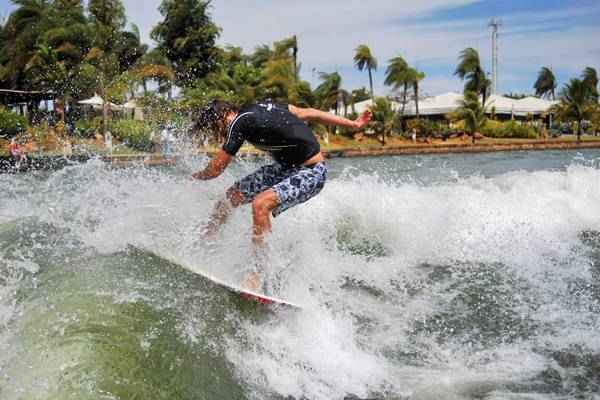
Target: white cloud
x,y
329,31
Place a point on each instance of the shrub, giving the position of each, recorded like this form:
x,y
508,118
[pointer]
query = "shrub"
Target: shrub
x,y
135,134
11,124
424,127
85,128
509,130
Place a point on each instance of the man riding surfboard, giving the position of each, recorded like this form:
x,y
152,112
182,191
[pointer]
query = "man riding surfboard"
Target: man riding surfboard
x,y
298,173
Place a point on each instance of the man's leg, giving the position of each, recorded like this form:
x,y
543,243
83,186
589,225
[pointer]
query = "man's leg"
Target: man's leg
x,y
262,206
242,192
234,198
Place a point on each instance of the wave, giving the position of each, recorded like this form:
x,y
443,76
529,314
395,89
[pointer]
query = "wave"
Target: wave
x,y
471,286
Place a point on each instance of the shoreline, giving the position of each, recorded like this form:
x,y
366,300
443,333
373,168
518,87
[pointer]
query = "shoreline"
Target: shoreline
x,y
48,162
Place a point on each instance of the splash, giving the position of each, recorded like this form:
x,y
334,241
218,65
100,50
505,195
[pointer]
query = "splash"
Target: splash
x,y
420,279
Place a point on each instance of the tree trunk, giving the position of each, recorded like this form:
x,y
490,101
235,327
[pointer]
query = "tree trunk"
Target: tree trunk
x,y
295,51
371,85
105,116
579,131
403,106
417,99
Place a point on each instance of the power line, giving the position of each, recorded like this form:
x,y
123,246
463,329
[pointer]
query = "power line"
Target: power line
x,y
495,24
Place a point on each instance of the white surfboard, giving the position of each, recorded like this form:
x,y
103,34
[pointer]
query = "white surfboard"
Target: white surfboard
x,y
243,293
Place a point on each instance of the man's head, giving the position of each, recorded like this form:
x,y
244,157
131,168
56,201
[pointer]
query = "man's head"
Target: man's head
x,y
213,116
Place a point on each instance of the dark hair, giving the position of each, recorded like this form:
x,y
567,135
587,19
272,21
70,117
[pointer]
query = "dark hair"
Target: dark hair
x,y
214,112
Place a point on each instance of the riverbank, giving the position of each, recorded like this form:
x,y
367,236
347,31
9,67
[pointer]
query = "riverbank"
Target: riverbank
x,y
42,161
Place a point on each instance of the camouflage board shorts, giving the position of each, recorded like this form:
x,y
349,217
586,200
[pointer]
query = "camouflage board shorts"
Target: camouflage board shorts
x,y
293,186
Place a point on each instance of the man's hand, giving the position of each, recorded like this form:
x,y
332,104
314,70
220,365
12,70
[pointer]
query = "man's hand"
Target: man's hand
x,y
215,167
363,120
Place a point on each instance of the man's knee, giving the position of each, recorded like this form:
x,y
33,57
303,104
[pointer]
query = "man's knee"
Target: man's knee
x,y
235,197
264,203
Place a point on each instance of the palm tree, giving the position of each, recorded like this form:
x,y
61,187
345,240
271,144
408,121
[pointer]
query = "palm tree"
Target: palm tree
x,y
472,112
283,47
399,75
469,69
278,77
576,103
545,85
590,79
383,117
328,91
346,98
22,31
154,65
261,55
364,59
417,77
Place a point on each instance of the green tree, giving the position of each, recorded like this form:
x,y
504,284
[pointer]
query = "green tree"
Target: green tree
x,y
399,75
108,19
363,59
261,55
327,93
283,48
417,77
154,66
187,37
278,78
21,33
590,79
472,112
576,104
383,117
360,94
545,85
469,69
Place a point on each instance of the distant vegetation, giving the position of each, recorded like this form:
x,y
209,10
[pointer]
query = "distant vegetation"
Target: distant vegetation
x,y
76,48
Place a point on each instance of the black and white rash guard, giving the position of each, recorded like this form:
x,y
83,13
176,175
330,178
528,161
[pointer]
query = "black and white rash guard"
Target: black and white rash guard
x,y
273,128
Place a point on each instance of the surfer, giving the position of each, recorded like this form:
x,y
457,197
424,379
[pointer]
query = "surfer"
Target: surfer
x,y
298,173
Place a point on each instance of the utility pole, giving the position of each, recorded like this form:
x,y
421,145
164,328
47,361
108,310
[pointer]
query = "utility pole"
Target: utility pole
x,y
495,24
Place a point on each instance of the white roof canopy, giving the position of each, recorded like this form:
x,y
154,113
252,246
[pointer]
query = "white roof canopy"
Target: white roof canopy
x,y
449,102
97,102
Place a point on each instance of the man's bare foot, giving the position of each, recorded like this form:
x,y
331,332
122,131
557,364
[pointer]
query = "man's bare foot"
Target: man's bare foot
x,y
252,282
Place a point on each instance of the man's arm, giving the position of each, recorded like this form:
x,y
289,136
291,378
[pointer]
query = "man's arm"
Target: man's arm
x,y
314,115
215,167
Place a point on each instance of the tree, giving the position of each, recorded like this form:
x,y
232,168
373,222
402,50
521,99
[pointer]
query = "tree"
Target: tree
x,y
576,104
22,32
360,94
545,85
399,75
590,79
327,92
469,70
282,49
363,59
261,55
417,77
472,112
383,117
108,18
154,65
278,78
187,37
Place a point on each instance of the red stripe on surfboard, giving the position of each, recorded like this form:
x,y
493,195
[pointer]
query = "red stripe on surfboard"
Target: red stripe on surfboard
x,y
260,299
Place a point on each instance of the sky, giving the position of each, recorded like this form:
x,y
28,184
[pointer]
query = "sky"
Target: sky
x,y
429,34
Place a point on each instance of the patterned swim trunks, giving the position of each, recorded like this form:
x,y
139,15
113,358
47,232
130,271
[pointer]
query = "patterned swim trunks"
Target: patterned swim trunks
x,y
293,186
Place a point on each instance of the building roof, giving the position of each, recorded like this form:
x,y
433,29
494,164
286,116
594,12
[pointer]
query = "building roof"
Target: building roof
x,y
8,96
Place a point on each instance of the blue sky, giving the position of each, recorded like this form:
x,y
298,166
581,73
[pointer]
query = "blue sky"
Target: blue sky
x,y
561,34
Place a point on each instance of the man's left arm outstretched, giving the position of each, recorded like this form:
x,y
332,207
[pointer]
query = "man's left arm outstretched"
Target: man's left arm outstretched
x,y
215,167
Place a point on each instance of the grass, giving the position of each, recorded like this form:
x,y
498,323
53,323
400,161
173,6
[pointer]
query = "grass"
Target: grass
x,y
336,143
